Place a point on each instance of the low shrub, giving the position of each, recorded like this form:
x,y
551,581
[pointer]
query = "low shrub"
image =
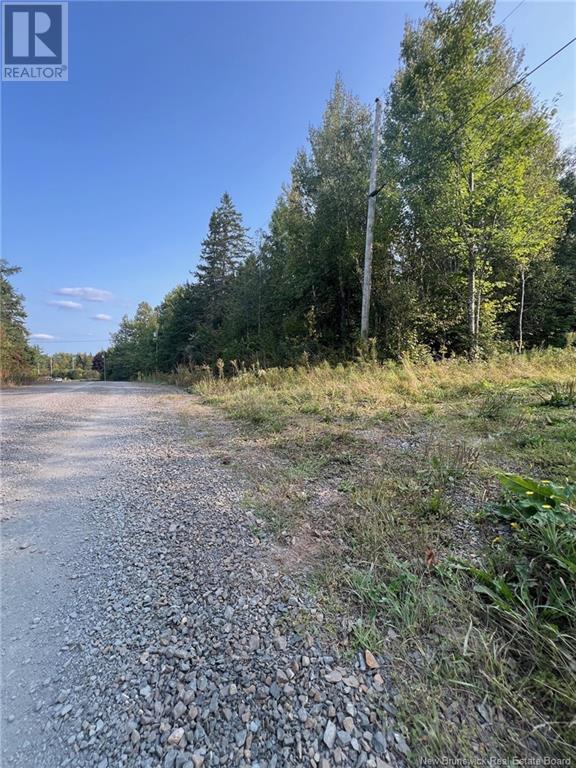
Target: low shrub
x,y
559,395
529,585
496,405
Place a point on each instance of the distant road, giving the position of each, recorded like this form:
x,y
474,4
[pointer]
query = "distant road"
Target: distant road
x,y
143,622
60,443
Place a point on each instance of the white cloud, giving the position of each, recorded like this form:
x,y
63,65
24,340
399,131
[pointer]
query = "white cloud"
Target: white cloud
x,y
65,304
101,317
90,294
42,337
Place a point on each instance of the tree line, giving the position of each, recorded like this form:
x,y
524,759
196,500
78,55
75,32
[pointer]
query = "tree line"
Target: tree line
x,y
17,356
474,244
475,231
22,362
66,365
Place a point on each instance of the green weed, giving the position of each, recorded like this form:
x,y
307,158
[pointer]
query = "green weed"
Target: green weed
x,y
412,447
497,406
559,394
529,584
450,464
366,635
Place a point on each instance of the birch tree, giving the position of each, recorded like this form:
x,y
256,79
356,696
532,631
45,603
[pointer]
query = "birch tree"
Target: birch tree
x,y
476,171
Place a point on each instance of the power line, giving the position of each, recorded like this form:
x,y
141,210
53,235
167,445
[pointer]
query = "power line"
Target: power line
x,y
443,147
511,12
514,85
494,28
492,102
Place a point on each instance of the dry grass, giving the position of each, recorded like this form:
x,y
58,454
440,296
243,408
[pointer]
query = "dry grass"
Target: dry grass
x,y
388,468
374,392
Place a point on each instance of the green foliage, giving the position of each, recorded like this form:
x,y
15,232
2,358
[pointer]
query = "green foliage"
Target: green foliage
x,y
560,395
451,463
134,349
65,365
98,363
367,635
404,481
530,583
541,502
495,406
179,318
396,595
474,241
224,251
20,362
17,357
306,287
479,193
550,296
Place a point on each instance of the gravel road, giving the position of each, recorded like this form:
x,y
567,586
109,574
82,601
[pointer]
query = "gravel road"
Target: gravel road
x,y
143,622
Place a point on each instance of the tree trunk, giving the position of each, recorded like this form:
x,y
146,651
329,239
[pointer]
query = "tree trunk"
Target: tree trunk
x,y
259,304
472,326
472,319
521,312
478,308
342,303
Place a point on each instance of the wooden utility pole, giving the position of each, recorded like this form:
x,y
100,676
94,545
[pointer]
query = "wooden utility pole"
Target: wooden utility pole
x,y
521,314
473,308
367,284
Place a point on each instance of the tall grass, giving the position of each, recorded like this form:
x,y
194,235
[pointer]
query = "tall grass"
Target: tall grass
x,y
372,390
413,449
183,376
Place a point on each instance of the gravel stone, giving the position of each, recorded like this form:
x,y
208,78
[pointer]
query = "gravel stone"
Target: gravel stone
x,y
329,734
165,635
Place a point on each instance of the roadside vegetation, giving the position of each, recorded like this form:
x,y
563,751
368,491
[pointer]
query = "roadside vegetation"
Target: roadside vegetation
x,y
429,502
423,482
474,237
20,361
16,354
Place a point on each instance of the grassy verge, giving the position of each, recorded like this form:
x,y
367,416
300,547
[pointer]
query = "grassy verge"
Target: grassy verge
x,y
387,478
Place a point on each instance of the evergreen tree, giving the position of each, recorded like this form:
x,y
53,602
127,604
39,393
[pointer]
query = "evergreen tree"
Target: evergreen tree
x,y
242,331
178,318
17,357
223,250
98,363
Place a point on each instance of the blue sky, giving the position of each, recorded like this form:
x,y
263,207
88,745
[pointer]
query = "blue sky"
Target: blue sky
x,y
109,179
